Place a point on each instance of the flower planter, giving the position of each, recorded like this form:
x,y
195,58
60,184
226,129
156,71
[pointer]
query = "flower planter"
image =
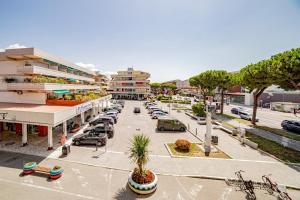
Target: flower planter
x,y
147,188
63,102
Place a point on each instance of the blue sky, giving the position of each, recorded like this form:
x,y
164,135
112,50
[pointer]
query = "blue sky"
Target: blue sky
x,y
169,38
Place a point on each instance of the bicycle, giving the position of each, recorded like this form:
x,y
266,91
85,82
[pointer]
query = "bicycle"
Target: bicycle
x,y
273,187
246,185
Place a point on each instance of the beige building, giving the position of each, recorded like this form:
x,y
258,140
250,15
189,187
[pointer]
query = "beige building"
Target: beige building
x,y
183,86
130,84
101,80
39,92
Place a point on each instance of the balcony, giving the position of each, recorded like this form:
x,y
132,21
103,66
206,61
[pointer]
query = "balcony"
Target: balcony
x,y
131,81
130,87
122,92
49,86
51,72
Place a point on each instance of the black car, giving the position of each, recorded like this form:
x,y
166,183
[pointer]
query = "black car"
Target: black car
x,y
117,109
113,116
291,125
101,128
91,137
102,119
137,110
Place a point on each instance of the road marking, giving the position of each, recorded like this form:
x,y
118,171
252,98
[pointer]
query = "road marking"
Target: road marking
x,y
225,194
183,188
48,189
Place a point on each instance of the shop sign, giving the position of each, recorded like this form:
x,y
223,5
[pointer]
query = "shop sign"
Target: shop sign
x,y
84,107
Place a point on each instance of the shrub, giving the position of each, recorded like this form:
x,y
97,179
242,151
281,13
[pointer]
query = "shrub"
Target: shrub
x,y
199,110
183,145
159,97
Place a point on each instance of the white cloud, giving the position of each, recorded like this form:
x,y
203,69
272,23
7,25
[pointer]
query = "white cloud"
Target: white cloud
x,y
87,66
13,46
107,73
94,68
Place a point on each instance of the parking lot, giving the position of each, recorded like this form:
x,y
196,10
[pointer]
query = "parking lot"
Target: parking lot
x,y
130,123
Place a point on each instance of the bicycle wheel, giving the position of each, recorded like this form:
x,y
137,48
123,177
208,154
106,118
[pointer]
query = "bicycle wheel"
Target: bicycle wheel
x,y
285,196
268,184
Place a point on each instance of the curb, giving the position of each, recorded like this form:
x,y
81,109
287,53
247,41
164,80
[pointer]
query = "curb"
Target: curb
x,y
219,178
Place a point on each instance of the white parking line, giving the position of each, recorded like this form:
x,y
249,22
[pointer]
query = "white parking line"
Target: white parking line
x,y
48,189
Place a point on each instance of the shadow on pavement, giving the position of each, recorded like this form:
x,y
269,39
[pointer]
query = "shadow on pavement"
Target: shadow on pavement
x,y
125,193
17,160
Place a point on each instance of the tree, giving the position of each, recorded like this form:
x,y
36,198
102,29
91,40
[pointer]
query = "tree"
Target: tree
x,y
221,79
155,87
256,77
139,152
169,87
199,109
286,69
206,82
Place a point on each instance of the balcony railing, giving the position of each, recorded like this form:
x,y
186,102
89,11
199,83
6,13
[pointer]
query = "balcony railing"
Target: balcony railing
x,y
49,86
51,72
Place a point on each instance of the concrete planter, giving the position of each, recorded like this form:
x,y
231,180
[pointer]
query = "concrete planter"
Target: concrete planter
x,y
142,188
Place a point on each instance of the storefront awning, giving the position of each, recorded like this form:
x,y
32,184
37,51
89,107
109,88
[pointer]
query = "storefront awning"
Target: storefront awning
x,y
61,91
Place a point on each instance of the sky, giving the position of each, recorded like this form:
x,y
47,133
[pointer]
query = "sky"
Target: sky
x,y
171,39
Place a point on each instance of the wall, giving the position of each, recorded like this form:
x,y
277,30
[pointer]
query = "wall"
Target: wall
x,y
10,67
281,97
248,99
26,97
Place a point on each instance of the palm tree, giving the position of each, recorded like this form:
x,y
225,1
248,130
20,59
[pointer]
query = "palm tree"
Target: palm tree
x,y
138,152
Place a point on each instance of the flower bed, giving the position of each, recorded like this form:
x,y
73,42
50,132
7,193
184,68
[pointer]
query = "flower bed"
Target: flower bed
x,y
194,151
147,177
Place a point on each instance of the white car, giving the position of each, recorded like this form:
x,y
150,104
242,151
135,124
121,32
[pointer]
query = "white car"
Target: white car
x,y
157,115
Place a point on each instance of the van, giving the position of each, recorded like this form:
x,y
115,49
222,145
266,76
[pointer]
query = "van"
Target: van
x,y
170,124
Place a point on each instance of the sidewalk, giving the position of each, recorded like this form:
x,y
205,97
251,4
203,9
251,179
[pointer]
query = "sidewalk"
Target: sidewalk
x,y
194,167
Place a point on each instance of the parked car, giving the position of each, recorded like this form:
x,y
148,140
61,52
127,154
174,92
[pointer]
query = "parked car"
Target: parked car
x,y
157,115
112,112
101,128
154,109
90,138
236,110
121,102
291,125
266,105
159,111
136,110
246,116
117,106
112,115
166,123
112,109
102,119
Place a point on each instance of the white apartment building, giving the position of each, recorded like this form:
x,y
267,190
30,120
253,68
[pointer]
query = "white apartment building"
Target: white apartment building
x,y
39,91
130,84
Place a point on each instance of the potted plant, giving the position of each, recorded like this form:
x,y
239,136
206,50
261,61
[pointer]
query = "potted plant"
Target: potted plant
x,y
141,180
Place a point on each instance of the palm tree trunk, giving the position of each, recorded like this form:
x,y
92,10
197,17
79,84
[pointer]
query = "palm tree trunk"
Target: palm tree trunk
x,y
141,169
222,101
256,95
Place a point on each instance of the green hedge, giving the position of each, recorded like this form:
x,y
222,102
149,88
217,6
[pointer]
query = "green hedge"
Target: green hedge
x,y
177,101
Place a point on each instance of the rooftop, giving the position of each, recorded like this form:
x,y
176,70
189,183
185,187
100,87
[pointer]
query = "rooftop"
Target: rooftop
x,y
36,54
